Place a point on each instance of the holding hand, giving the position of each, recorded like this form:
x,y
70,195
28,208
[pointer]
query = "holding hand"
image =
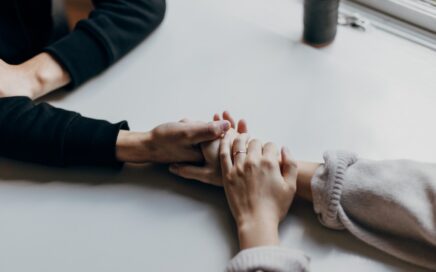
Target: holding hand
x,y
259,189
169,143
210,171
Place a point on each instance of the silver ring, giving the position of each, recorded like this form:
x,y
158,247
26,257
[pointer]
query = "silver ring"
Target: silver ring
x,y
239,152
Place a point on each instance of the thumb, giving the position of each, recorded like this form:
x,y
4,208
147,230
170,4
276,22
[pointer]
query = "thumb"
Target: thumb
x,y
289,167
205,132
189,171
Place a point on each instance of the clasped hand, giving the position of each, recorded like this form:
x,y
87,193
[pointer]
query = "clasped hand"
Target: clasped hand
x,y
259,181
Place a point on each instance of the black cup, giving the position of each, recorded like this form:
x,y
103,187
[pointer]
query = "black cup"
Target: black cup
x,y
320,21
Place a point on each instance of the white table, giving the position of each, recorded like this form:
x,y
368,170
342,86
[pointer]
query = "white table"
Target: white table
x,y
370,92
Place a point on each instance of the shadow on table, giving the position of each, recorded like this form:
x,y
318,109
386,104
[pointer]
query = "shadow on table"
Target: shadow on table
x,y
143,176
154,177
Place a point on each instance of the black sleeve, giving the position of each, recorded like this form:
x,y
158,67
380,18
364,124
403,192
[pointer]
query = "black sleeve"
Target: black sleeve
x,y
45,134
113,28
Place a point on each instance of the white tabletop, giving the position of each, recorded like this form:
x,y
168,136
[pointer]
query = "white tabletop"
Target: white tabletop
x,y
369,92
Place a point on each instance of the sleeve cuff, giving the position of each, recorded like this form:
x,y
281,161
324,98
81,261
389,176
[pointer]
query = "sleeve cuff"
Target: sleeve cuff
x,y
269,258
327,184
80,54
92,142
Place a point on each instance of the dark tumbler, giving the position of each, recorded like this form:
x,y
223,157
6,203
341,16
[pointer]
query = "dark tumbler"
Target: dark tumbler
x,y
320,21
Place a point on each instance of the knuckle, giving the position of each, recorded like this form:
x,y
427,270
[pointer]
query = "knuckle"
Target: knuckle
x,y
231,182
270,144
186,134
254,142
292,188
210,129
228,177
250,164
267,164
224,154
238,140
240,171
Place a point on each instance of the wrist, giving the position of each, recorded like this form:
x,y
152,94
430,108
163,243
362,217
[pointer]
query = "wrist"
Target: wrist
x,y
133,146
30,85
306,170
258,233
44,75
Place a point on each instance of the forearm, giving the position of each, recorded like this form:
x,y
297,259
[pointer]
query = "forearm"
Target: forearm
x,y
306,170
132,146
45,75
258,233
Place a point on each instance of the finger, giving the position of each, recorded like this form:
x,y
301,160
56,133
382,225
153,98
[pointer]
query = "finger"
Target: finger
x,y
184,120
227,116
204,132
225,156
242,126
270,150
239,150
189,171
216,117
289,167
254,149
190,154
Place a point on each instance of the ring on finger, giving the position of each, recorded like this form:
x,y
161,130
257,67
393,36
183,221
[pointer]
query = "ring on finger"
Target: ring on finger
x,y
239,152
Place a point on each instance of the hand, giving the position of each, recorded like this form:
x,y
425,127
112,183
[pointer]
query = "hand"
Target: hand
x,y
169,143
210,172
258,187
33,78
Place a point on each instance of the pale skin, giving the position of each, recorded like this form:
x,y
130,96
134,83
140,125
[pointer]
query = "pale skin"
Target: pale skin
x,y
259,185
207,173
210,171
259,188
34,78
169,143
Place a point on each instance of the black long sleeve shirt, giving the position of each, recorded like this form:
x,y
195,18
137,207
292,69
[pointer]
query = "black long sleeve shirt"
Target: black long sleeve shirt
x,y
42,133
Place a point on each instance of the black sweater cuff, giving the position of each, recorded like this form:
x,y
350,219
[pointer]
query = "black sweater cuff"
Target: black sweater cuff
x,y
81,54
90,141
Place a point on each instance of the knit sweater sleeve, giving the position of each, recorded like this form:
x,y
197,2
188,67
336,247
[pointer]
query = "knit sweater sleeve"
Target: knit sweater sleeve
x,y
390,205
269,259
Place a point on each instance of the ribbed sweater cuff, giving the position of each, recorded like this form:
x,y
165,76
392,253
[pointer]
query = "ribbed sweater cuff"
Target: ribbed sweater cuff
x,y
269,258
92,142
327,186
81,55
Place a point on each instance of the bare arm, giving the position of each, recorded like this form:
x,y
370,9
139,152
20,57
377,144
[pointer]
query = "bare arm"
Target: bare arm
x,y
306,170
33,78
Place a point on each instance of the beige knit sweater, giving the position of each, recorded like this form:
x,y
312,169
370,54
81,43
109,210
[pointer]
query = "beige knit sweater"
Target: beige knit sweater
x,y
390,205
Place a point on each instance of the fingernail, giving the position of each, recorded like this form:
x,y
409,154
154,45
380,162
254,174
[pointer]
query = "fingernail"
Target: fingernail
x,y
225,125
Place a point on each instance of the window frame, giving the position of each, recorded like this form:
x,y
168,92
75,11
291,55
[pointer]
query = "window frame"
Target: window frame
x,y
405,10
